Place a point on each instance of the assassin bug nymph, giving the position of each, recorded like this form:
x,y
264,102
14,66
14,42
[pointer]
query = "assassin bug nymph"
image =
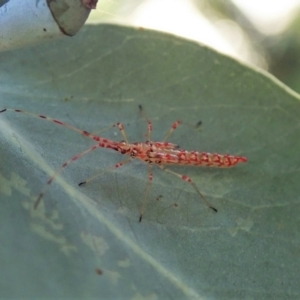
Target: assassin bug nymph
x,y
161,154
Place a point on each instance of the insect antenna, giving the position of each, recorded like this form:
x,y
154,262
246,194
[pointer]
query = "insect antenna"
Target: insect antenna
x,y
83,132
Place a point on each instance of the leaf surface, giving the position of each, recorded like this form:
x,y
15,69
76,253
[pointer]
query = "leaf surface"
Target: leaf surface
x,y
250,248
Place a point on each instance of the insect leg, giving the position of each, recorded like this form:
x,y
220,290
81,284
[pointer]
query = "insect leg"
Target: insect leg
x,y
189,180
173,127
150,127
121,127
118,165
143,207
60,169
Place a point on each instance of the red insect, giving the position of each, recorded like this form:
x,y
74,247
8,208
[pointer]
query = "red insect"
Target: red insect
x,y
161,154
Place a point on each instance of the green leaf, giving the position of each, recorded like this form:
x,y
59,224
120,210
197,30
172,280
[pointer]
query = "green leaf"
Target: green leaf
x,y
181,249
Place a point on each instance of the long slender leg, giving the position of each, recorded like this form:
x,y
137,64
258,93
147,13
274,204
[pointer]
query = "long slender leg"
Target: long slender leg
x,y
121,127
144,204
173,127
168,134
162,144
97,132
118,165
150,127
189,180
60,169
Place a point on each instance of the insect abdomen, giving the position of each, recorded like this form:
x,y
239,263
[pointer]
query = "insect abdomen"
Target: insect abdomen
x,y
217,160
194,158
